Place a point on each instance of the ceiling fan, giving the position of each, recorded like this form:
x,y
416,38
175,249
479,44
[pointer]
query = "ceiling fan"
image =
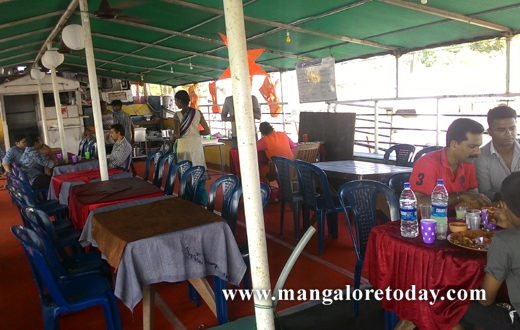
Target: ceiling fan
x,y
106,11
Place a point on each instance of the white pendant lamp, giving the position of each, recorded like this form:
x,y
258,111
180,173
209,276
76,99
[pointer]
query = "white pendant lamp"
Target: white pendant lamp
x,y
36,74
73,36
52,59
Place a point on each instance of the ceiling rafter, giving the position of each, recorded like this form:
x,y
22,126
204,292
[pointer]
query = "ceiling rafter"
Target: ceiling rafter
x,y
449,15
38,42
283,25
144,69
31,19
19,55
157,60
57,28
23,35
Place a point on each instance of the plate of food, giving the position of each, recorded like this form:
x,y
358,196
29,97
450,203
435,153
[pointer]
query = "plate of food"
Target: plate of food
x,y
477,240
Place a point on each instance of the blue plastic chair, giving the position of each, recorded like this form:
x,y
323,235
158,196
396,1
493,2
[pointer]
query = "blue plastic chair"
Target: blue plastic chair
x,y
92,148
68,267
284,168
58,296
82,147
40,193
189,183
396,182
424,151
170,158
155,157
403,154
361,198
65,237
181,167
128,162
229,184
324,205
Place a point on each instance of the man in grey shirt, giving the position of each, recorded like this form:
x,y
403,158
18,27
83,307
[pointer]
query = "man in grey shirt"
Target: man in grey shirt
x,y
121,117
503,264
228,114
501,156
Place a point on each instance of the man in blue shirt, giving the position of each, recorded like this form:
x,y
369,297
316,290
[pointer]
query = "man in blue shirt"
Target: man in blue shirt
x,y
35,165
14,154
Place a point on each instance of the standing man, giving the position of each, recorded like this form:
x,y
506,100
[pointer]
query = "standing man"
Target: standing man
x,y
122,118
122,148
228,114
35,165
501,156
453,164
14,154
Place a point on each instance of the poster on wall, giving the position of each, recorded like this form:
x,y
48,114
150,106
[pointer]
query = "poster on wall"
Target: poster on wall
x,y
317,80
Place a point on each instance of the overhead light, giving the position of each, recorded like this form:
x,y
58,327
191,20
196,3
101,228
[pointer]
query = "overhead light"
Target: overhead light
x,y
73,36
424,2
288,36
36,73
21,68
51,59
191,66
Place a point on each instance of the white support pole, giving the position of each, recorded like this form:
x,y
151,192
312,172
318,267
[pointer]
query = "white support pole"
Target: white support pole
x,y
235,30
508,64
94,92
43,113
59,115
376,127
438,124
397,75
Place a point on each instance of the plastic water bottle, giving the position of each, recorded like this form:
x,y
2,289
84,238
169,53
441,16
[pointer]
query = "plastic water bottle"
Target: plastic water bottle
x,y
440,203
408,204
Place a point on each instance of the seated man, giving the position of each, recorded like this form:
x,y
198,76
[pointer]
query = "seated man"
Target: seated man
x,y
122,149
14,154
453,164
503,264
35,165
501,155
274,144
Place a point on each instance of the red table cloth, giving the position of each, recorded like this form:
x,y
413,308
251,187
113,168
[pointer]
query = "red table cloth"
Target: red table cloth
x,y
85,176
395,262
90,196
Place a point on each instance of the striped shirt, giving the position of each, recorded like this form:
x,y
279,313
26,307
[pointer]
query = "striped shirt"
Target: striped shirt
x,y
119,154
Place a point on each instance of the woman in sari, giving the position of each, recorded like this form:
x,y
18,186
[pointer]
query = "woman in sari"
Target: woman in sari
x,y
186,134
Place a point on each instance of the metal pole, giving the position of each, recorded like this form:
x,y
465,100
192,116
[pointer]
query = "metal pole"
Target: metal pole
x,y
44,114
508,64
438,124
94,92
376,128
59,115
235,30
281,100
397,75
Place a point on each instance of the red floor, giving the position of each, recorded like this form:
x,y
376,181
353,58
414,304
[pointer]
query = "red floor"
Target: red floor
x,y
20,305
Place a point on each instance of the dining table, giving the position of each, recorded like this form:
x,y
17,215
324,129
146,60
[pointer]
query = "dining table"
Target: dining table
x,y
394,262
87,197
165,239
84,164
60,186
358,170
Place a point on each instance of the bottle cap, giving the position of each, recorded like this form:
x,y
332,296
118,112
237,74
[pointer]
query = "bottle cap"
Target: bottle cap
x,y
407,184
440,181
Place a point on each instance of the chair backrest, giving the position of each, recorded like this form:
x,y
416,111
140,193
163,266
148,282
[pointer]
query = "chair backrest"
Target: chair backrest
x,y
24,188
15,169
361,196
424,151
189,184
284,172
128,162
229,184
396,182
170,158
46,278
306,175
307,151
38,218
92,148
82,147
180,167
403,154
155,157
232,217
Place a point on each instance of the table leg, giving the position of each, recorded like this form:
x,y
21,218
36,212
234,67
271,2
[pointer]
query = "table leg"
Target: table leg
x,y
221,162
202,286
148,302
168,314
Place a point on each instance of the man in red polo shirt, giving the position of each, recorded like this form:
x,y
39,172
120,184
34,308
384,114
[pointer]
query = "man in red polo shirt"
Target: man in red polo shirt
x,y
453,164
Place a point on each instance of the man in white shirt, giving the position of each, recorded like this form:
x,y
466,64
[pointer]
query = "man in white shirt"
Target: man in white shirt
x,y
501,156
122,149
228,114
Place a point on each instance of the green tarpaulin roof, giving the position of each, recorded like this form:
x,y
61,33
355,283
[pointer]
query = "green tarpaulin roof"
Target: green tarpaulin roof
x,y
177,42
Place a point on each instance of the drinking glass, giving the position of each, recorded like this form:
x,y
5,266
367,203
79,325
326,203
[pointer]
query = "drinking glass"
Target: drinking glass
x,y
426,211
460,212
